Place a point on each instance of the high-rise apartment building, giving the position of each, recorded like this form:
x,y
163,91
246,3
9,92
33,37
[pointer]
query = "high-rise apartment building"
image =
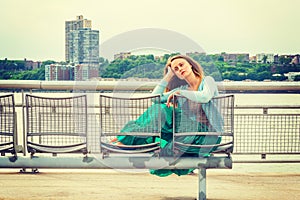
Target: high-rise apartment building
x,y
82,47
77,24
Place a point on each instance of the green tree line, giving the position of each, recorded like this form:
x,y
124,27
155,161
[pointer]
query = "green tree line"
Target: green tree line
x,y
16,70
147,66
213,65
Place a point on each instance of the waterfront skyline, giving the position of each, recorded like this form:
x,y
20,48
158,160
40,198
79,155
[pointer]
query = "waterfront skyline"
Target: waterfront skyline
x,y
34,29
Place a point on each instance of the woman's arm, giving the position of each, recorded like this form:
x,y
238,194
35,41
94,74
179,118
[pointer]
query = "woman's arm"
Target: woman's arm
x,y
160,88
204,95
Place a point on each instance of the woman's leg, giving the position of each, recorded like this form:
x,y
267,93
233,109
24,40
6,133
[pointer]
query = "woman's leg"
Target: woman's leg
x,y
148,122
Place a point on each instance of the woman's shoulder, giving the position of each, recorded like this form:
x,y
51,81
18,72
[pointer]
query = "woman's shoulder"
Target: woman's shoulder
x,y
208,79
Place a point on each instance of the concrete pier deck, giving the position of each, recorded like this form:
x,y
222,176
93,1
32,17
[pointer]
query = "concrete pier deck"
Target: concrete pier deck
x,y
245,181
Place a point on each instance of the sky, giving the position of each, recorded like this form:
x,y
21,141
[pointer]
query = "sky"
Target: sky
x,y
34,29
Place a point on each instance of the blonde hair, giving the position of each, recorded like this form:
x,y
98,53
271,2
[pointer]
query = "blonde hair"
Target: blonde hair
x,y
175,81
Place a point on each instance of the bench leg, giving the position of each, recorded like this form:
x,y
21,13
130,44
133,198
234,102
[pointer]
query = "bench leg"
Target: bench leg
x,y
202,184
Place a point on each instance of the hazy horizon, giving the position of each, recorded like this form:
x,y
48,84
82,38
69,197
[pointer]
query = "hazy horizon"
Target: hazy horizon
x,y
35,29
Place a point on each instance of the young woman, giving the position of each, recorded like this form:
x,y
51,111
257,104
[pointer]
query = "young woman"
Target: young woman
x,y
182,76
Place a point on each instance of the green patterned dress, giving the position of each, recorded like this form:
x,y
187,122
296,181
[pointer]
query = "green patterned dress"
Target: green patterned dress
x,y
206,91
146,120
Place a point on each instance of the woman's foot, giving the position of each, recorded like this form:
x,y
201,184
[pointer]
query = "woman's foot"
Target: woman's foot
x,y
119,144
115,141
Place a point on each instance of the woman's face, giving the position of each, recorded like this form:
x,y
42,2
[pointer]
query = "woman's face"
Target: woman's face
x,y
181,68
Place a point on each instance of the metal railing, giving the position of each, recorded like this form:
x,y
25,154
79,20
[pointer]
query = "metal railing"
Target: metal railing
x,y
259,130
125,85
267,130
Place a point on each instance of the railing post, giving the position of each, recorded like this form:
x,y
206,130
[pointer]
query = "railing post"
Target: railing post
x,y
202,183
265,111
24,123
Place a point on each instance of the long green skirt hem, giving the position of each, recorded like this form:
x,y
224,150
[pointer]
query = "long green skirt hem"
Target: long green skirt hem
x,y
167,172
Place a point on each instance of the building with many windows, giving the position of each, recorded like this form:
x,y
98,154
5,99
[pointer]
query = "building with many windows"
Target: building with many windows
x,y
235,57
82,48
122,55
265,58
73,25
29,64
80,72
85,72
58,72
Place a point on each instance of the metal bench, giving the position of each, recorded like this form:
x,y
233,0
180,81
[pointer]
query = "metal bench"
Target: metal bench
x,y
8,136
116,112
56,125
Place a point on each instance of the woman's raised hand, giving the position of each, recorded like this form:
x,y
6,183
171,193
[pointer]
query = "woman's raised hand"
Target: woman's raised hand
x,y
171,96
169,75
